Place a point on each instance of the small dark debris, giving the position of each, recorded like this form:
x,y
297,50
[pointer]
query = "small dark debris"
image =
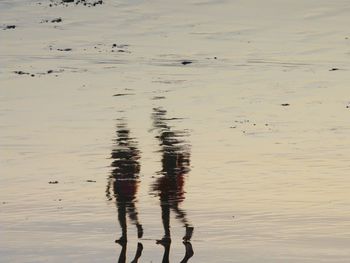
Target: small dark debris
x,y
172,119
20,72
242,121
56,20
334,69
215,57
9,27
77,2
285,104
91,181
119,46
233,127
64,49
50,71
158,98
53,182
186,62
122,94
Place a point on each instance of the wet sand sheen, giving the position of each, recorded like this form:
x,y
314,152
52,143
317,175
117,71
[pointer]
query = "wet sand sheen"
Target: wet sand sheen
x,y
199,131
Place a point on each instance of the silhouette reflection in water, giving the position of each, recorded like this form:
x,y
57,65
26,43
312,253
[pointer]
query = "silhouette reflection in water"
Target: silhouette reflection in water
x,y
169,187
124,182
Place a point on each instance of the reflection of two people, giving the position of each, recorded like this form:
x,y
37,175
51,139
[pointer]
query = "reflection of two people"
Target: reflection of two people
x,y
124,182
169,187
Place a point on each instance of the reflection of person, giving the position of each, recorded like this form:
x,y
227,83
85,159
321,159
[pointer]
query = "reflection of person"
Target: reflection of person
x,y
124,181
170,186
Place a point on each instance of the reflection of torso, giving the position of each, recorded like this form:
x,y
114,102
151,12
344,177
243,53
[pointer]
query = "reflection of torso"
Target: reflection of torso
x,y
125,189
175,163
170,188
125,173
125,169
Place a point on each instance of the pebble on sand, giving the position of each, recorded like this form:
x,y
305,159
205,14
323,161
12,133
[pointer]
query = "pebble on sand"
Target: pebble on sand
x,y
91,181
56,20
10,27
186,62
53,182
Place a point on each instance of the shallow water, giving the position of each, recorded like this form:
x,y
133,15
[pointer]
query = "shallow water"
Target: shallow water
x,y
256,180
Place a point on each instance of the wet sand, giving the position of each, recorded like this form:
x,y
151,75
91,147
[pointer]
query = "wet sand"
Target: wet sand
x,y
199,131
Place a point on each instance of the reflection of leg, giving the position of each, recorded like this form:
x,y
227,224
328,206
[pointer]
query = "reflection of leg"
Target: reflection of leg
x,y
180,214
122,222
189,252
132,212
108,188
139,231
122,256
166,244
189,232
166,219
138,253
133,215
